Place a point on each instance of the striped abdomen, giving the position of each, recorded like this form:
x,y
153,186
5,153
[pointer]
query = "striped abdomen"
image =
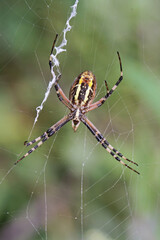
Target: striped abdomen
x,y
83,89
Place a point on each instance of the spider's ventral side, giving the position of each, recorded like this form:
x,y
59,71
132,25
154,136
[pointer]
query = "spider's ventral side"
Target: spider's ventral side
x,y
81,96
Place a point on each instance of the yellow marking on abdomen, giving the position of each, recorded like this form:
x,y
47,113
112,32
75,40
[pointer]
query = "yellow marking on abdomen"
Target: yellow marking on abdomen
x,y
78,89
87,93
77,92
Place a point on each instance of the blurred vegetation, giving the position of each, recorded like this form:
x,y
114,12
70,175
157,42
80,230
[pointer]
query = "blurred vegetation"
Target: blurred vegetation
x,y
118,204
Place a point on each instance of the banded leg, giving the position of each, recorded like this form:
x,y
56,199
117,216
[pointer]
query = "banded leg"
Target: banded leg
x,y
53,45
61,95
106,144
107,88
103,99
45,136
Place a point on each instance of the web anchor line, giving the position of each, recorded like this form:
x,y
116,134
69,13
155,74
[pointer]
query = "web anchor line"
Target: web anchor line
x,y
54,62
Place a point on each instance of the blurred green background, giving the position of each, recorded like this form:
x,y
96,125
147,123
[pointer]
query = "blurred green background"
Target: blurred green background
x,y
71,188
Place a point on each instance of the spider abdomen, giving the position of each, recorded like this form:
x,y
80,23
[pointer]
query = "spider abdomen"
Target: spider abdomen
x,y
83,89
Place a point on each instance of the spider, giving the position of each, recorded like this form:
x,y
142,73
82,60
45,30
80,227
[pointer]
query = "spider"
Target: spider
x,y
81,96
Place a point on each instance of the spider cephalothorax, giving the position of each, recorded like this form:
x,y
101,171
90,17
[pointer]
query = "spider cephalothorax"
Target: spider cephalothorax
x,y
81,95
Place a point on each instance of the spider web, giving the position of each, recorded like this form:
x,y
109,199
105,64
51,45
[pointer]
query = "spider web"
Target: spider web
x,y
71,188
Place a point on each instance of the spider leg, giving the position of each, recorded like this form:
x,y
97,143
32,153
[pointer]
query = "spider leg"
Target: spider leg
x,y
107,88
61,95
46,135
106,144
109,92
50,58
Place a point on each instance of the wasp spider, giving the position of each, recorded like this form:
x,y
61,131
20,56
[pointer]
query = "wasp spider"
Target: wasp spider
x,y
81,95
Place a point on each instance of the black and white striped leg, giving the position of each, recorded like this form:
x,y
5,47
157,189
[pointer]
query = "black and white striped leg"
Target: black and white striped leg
x,y
107,88
106,144
119,80
61,95
109,92
50,57
45,136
